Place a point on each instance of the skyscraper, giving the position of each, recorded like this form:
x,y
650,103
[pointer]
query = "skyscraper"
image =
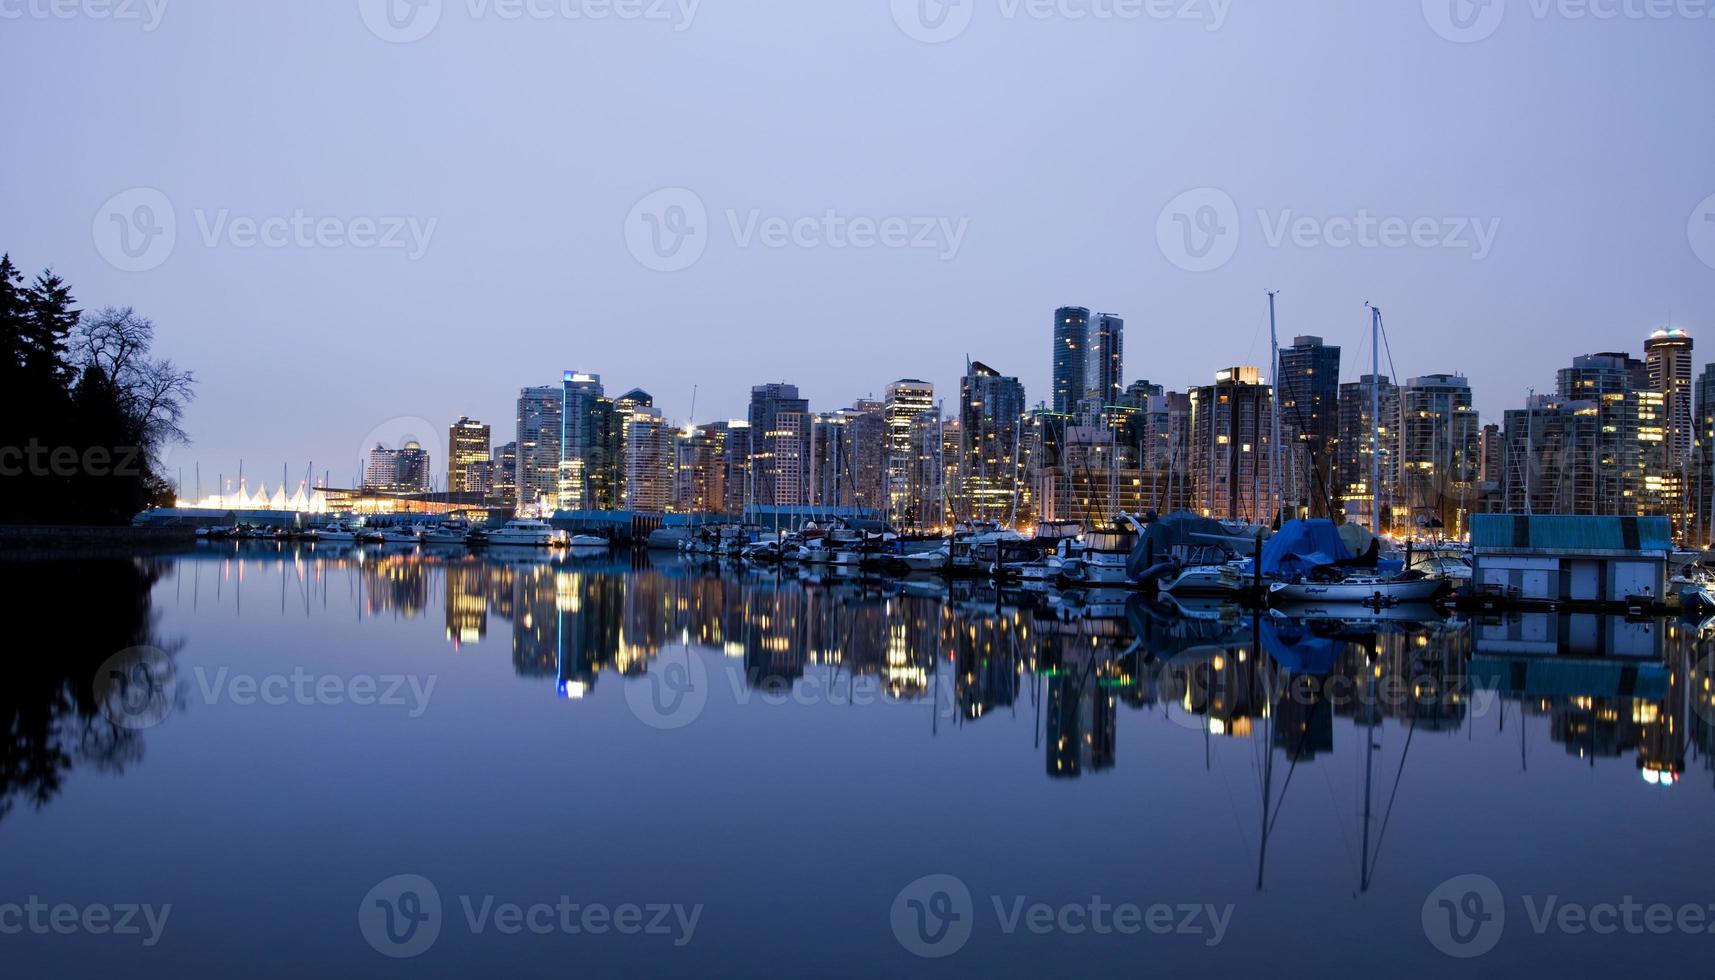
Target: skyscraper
x,y
1439,439
402,470
1071,357
539,433
503,472
991,418
780,429
1353,457
1309,390
1103,379
592,461
467,443
1230,454
1668,354
906,399
648,461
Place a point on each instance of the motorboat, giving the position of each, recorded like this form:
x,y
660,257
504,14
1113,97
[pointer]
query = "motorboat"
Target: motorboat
x,y
402,534
449,533
1103,558
1222,579
336,533
527,533
928,561
587,542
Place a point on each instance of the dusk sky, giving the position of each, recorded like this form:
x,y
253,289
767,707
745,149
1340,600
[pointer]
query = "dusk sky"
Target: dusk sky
x,y
482,206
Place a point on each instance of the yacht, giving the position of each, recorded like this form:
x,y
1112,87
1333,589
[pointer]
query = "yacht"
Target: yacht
x,y
587,542
336,533
1222,579
528,533
1104,557
452,532
402,534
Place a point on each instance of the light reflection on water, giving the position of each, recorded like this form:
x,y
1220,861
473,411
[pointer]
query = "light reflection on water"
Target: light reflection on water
x,y
1288,766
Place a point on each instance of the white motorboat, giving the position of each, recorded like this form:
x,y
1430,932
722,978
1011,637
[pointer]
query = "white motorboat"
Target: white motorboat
x,y
928,561
402,534
370,535
527,533
586,542
1103,558
1359,589
1223,579
336,533
445,534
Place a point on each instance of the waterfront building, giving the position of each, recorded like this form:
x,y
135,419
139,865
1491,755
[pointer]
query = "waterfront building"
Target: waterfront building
x,y
780,451
592,457
702,462
1439,434
402,470
1104,375
1571,559
1071,357
539,434
905,400
503,478
1097,479
1309,387
467,443
1353,471
991,476
648,461
1230,450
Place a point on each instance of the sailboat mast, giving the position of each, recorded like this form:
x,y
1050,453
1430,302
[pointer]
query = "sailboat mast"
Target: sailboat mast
x,y
1375,421
1274,430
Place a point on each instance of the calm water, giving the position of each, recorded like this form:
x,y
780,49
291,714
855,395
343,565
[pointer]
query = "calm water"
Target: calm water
x,y
650,768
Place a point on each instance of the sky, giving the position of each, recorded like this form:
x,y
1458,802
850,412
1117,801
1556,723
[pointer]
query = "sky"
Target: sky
x,y
357,220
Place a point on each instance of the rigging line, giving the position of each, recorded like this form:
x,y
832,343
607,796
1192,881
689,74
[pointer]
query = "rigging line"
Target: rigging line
x,y
1284,786
1387,814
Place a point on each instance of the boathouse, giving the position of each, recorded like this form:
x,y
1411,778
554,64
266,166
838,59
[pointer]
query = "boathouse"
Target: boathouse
x,y
1568,559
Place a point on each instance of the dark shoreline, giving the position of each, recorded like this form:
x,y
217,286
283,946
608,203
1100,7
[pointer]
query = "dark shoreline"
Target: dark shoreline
x,y
62,540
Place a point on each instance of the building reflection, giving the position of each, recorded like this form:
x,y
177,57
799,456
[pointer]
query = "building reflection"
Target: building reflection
x,y
1308,687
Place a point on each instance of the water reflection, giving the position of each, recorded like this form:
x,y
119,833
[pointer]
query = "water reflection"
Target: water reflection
x,y
48,707
1610,688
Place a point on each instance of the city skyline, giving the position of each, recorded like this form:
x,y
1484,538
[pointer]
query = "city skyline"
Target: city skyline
x,y
1325,116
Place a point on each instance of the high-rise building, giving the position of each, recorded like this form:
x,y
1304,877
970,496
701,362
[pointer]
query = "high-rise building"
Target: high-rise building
x,y
1167,472
402,470
906,399
539,433
467,443
648,461
1439,438
592,457
1230,452
1612,465
503,478
1309,387
1668,355
1071,360
926,479
1354,455
1551,467
1103,378
780,451
700,473
992,480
